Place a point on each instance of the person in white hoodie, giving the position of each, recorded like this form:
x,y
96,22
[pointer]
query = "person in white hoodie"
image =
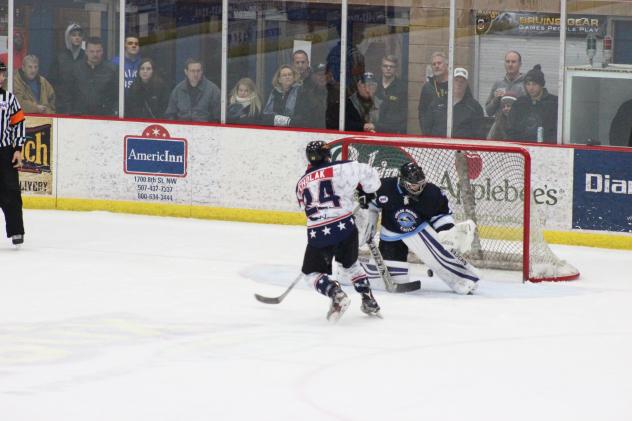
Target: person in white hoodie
x,y
61,68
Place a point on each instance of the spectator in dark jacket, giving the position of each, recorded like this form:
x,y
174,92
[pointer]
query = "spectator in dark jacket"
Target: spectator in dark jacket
x,y
621,126
60,73
393,94
195,98
147,96
467,113
314,94
94,83
362,107
537,109
435,87
286,105
498,131
244,104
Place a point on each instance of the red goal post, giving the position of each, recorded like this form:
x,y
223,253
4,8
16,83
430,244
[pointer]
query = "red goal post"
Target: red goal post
x,y
485,182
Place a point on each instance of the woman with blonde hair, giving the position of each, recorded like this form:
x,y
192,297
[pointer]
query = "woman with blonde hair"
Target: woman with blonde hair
x,y
244,103
285,106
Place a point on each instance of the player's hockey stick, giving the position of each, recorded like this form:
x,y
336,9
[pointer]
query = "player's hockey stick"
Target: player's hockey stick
x,y
386,276
277,300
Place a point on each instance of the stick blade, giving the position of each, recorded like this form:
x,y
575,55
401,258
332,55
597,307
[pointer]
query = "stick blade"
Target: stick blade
x,y
407,287
268,300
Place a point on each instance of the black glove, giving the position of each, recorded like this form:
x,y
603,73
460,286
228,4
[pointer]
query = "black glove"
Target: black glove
x,y
365,198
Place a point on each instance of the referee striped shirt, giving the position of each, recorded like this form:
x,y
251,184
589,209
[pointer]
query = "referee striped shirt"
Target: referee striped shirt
x,y
12,132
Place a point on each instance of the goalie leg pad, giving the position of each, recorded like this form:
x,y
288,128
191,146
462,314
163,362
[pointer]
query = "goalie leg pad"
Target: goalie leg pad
x,y
452,269
398,271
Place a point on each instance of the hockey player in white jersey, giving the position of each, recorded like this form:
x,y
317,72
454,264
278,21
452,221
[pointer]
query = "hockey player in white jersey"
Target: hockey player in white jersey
x,y
416,216
326,192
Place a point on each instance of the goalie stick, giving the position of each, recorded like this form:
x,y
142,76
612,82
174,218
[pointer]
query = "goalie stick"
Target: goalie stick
x,y
386,276
277,300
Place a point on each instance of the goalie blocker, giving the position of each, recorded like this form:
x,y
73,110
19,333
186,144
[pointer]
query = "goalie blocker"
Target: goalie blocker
x,y
416,217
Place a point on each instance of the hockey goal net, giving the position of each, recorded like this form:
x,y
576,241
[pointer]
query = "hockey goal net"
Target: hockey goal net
x,y
485,182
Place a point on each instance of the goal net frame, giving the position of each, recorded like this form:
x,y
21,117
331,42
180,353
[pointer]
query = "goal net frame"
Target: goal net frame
x,y
532,232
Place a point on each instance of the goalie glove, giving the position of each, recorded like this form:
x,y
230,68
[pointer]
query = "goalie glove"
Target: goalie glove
x,y
459,237
369,230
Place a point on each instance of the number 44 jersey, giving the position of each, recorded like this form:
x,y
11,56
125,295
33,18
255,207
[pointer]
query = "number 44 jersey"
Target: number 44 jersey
x,y
326,192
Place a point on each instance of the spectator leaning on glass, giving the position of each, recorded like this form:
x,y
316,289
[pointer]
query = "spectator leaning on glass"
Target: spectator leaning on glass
x,y
195,98
132,60
244,103
148,95
393,93
533,117
467,113
60,73
315,95
363,108
498,131
435,87
94,83
12,137
513,83
621,126
286,105
36,95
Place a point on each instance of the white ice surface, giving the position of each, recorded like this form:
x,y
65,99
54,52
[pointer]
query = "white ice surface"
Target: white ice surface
x,y
131,318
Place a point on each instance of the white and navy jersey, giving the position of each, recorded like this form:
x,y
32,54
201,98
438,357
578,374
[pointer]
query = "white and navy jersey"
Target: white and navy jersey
x,y
12,132
404,215
326,192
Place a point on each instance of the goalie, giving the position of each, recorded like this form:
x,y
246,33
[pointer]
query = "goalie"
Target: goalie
x,y
416,216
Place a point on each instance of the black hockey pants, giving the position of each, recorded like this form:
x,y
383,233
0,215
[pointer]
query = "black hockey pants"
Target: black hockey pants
x,y
10,194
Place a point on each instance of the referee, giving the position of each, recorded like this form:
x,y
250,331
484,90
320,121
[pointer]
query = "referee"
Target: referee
x,y
12,137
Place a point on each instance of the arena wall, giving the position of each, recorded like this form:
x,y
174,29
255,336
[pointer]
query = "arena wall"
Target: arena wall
x,y
246,174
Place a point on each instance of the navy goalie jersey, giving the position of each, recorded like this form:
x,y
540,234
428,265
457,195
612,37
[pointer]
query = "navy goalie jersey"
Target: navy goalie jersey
x,y
404,214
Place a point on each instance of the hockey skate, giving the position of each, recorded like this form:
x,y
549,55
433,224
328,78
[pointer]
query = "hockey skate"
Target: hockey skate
x,y
339,304
17,239
369,305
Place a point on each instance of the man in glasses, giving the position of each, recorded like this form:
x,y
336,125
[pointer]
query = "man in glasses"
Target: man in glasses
x,y
416,216
132,60
393,93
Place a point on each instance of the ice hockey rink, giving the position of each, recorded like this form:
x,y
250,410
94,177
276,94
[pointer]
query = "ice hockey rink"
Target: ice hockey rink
x,y
128,318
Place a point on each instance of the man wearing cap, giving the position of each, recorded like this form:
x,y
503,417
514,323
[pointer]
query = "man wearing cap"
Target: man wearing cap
x,y
513,83
363,108
314,93
467,113
534,116
393,93
12,138
61,69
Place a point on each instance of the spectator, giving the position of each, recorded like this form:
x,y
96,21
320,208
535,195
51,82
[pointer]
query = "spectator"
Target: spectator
x,y
512,83
35,93
621,126
132,60
332,113
300,61
147,97
537,109
393,94
314,93
286,102
19,50
363,108
94,83
467,113
355,67
60,73
195,98
244,103
435,87
498,130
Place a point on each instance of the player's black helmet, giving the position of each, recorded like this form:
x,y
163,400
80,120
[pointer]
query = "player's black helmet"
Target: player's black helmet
x,y
317,152
412,178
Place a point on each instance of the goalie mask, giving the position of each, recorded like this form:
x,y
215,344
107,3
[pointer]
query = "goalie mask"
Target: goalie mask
x,y
412,178
317,152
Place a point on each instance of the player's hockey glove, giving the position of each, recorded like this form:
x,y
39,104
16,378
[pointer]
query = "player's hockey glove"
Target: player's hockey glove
x,y
365,198
459,237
